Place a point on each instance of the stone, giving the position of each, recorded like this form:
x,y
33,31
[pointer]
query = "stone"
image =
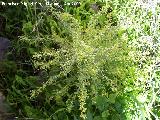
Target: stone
x,y
4,45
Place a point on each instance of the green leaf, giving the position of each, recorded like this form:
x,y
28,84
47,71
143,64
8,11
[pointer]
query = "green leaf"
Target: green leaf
x,y
89,115
20,80
102,103
112,98
98,118
105,114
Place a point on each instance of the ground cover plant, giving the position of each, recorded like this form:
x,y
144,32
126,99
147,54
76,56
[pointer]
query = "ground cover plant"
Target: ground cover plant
x,y
95,61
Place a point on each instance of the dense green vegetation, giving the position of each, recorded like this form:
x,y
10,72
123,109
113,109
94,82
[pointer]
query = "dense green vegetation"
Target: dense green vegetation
x,y
98,60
